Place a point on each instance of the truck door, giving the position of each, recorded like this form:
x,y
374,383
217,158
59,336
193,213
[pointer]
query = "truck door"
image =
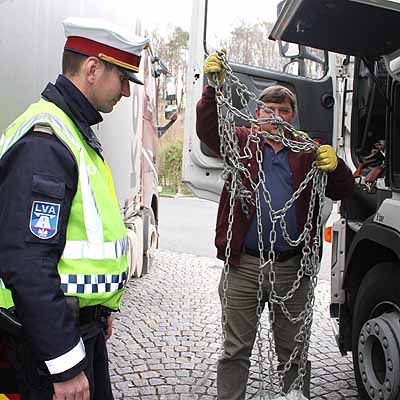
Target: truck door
x,y
243,30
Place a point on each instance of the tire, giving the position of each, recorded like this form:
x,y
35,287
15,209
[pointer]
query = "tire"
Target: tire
x,y
138,223
376,334
132,253
150,239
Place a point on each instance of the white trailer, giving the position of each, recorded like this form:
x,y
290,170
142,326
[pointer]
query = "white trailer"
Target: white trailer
x,y
31,43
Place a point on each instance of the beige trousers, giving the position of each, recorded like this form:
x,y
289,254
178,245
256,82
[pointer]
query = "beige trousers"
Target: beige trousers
x,y
240,330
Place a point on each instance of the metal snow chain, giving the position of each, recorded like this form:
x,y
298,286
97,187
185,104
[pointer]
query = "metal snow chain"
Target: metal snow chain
x,y
129,211
309,264
227,256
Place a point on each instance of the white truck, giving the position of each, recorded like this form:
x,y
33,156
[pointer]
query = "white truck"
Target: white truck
x,y
31,42
365,275
355,106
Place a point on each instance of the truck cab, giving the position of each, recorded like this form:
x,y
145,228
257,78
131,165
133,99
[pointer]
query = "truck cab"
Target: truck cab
x,y
365,263
342,60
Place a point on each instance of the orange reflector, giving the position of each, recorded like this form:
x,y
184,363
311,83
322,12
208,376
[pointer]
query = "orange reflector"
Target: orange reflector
x,y
10,397
328,234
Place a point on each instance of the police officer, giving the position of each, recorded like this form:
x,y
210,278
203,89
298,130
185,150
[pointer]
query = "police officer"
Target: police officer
x,y
63,244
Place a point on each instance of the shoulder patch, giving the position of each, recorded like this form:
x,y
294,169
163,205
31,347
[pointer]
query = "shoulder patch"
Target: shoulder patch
x,y
44,219
42,128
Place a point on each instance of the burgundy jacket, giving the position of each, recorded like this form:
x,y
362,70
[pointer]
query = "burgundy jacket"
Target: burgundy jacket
x,y
340,182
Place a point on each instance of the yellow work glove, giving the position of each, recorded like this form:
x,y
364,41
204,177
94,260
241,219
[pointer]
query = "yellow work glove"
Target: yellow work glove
x,y
214,70
326,158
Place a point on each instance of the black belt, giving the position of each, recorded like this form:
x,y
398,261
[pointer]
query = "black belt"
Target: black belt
x,y
280,256
93,313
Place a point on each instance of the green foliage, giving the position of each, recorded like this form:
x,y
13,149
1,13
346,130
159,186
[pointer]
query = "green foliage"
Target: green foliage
x,y
170,167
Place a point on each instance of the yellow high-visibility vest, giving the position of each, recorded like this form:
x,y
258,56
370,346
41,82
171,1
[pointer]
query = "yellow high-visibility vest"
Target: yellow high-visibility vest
x,y
93,266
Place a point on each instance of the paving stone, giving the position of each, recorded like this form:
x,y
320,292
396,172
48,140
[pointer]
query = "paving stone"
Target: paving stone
x,y
165,389
172,381
150,374
167,337
131,392
146,390
156,382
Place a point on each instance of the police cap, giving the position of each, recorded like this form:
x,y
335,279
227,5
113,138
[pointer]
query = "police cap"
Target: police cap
x,y
100,38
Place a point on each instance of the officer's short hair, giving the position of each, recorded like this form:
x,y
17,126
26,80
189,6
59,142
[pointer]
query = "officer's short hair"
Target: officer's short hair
x,y
72,61
278,94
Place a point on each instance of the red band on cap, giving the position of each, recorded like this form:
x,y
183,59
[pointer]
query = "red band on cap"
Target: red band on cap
x,y
92,48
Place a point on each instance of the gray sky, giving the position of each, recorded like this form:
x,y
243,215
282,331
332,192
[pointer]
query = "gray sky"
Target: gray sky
x,y
160,13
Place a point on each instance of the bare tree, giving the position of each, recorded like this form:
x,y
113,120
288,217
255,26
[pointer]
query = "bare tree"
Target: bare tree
x,y
173,51
249,44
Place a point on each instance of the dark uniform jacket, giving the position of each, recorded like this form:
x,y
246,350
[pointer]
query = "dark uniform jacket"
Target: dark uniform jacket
x,y
40,168
340,182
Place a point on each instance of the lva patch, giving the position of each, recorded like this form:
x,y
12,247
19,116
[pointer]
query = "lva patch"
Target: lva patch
x,y
44,219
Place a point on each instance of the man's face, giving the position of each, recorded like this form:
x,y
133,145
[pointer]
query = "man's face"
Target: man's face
x,y
283,110
111,85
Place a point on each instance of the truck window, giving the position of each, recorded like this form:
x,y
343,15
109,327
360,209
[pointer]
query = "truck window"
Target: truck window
x,y
243,31
369,122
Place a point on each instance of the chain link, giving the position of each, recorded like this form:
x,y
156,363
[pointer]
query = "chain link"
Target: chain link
x,y
235,170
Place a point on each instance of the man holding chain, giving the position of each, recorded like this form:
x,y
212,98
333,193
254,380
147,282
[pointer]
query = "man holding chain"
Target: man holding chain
x,y
284,170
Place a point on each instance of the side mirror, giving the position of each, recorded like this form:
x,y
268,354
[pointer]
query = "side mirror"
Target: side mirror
x,y
159,67
170,89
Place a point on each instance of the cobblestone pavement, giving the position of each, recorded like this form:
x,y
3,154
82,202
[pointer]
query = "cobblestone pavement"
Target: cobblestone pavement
x,y
166,339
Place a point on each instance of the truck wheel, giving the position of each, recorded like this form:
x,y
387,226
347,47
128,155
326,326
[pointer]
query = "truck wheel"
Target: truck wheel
x,y
138,223
132,253
376,334
150,239
135,247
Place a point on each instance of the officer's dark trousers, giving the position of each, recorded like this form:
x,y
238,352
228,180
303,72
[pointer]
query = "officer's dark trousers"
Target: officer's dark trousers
x,y
241,325
34,385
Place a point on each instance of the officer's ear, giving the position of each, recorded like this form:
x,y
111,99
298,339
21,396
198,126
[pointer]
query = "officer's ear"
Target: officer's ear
x,y
92,67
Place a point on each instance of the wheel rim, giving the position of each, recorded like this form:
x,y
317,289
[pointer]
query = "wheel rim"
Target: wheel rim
x,y
378,356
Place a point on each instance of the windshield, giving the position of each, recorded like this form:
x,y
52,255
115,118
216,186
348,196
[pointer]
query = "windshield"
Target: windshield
x,y
243,31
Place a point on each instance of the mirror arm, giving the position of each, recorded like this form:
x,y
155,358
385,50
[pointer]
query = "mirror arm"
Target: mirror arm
x,y
162,129
305,54
302,68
